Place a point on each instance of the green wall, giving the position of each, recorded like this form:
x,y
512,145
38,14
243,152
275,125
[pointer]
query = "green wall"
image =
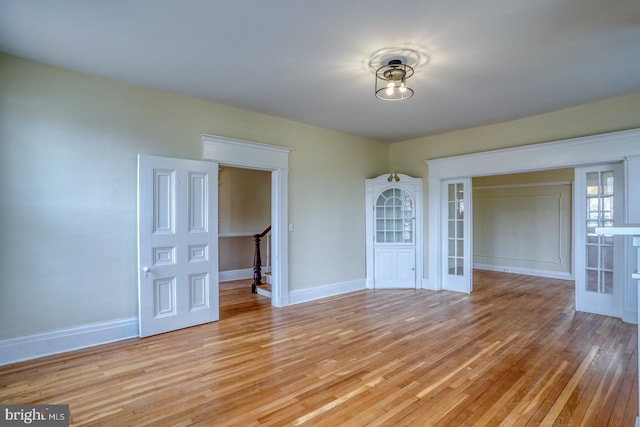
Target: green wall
x,y
609,115
68,147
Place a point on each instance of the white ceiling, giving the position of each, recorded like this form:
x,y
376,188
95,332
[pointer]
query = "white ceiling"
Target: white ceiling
x,y
308,60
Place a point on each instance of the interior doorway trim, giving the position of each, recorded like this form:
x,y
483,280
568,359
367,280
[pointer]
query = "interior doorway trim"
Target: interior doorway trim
x,y
568,153
254,155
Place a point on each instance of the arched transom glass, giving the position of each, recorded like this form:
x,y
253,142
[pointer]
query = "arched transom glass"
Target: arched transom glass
x,y
394,217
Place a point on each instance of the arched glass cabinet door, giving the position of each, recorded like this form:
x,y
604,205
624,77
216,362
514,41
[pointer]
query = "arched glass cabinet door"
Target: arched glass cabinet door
x,y
394,218
393,232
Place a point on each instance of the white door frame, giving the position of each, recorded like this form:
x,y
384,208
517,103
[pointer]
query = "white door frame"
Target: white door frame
x,y
373,188
254,155
623,146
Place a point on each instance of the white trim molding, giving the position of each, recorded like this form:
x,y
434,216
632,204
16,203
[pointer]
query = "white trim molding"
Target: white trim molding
x,y
241,153
533,184
254,155
241,274
312,294
568,153
525,271
18,349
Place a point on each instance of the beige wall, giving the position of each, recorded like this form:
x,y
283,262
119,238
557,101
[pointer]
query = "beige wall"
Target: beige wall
x,y
244,200
610,115
244,209
522,222
236,253
68,147
589,119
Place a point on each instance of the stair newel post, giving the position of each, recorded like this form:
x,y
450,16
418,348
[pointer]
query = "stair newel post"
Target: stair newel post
x,y
257,261
257,265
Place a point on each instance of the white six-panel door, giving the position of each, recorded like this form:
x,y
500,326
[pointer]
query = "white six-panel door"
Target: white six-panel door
x,y
177,243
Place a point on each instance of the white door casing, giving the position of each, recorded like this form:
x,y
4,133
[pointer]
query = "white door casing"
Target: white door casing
x,y
393,240
255,155
599,259
623,146
177,243
457,221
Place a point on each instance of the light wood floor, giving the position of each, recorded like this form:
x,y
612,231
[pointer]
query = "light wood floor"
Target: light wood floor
x,y
512,353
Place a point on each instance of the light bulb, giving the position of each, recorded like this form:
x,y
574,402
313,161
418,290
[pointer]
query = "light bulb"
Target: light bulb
x,y
390,90
403,86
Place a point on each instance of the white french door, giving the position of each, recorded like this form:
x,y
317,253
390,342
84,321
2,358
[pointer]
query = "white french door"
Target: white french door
x,y
599,202
177,243
457,272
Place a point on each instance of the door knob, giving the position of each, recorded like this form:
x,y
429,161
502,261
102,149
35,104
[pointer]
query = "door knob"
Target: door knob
x,y
146,271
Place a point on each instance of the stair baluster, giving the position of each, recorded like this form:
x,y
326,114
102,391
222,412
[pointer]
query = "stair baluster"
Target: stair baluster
x,y
257,261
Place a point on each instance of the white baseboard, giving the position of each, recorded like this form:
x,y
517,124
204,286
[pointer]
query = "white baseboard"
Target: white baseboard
x,y
428,284
229,275
630,316
33,346
241,274
311,294
423,284
526,271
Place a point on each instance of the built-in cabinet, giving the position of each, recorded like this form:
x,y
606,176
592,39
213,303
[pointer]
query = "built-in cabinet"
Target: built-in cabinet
x,y
394,232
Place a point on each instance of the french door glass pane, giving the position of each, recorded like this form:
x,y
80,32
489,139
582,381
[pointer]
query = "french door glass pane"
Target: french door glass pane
x,y
455,218
608,282
599,250
592,281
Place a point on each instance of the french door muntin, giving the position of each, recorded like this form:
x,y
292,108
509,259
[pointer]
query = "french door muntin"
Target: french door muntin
x,y
599,202
456,248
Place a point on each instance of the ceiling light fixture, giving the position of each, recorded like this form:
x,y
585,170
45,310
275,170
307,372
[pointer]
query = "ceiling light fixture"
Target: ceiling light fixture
x,y
391,81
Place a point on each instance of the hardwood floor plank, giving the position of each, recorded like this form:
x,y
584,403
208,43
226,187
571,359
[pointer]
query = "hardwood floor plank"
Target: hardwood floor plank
x,y
513,353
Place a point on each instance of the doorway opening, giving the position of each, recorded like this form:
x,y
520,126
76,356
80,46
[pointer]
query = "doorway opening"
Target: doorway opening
x,y
229,152
522,223
599,149
244,210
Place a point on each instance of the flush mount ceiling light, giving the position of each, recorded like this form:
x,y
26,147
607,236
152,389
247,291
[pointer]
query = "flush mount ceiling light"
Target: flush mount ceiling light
x,y
392,67
391,81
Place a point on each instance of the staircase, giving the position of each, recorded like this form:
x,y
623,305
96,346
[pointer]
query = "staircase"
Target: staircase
x,y
264,289
257,287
